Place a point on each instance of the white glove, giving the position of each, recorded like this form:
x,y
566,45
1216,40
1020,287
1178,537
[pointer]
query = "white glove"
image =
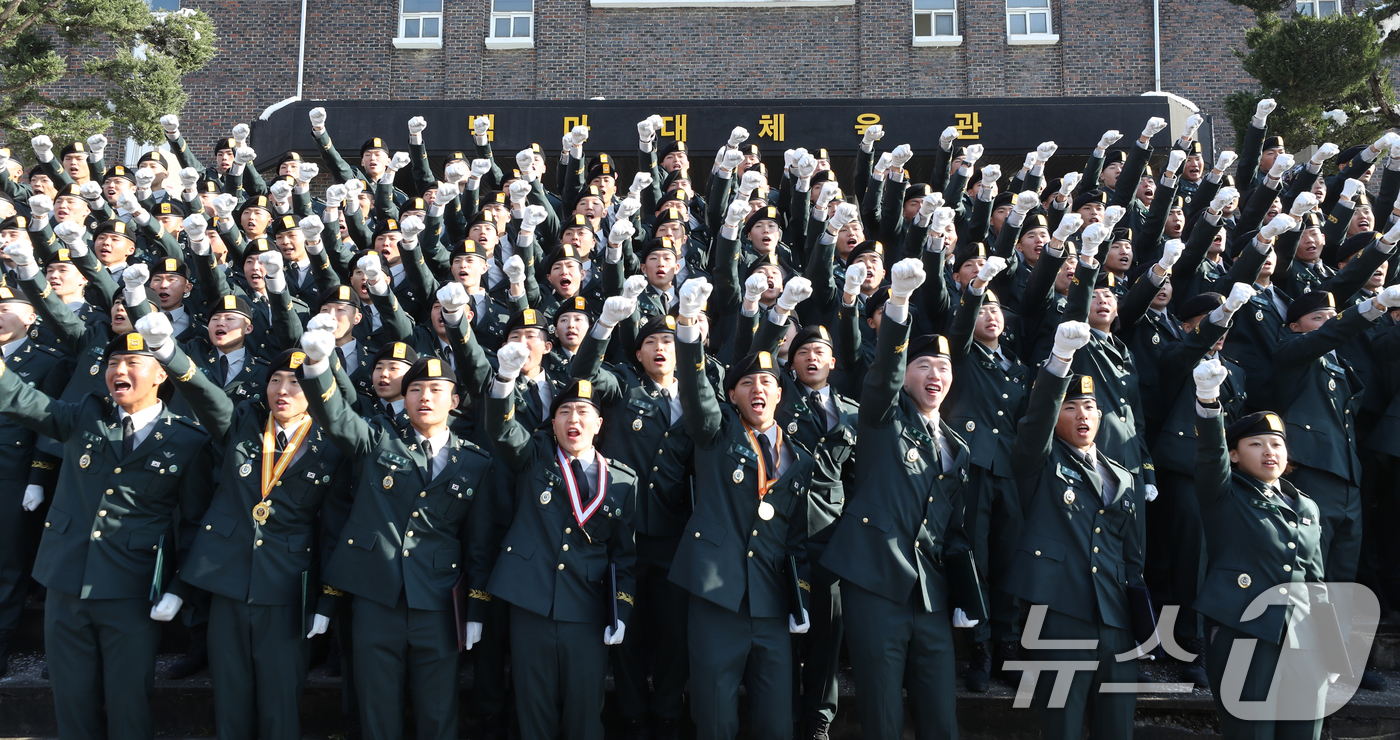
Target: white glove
x,y
993,266
641,181
791,156
755,286
368,264
127,202
318,118
411,227
1149,492
189,178
306,172
845,213
1171,252
335,196
1030,162
873,134
515,269
799,629
616,309
960,620
1025,202
1392,236
33,496
510,360
901,154
1304,203
945,139
1045,151
416,125
20,252
941,219
1069,182
453,297
525,160
738,211
473,635
280,191
577,136
1223,198
796,291
1240,294
1209,376
199,241
319,624
135,276
1069,226
311,227
318,344
446,193
459,171
155,327
645,133
97,144
195,224
906,276
974,153
751,181
883,163
321,322
244,155
730,159
169,605
1069,337
519,190
40,206
1175,160
806,166
1225,159
738,136
1109,138
930,203
70,233
1193,122
692,297
1350,187
92,193
398,161
144,179
353,189
224,204
1281,223
1262,111
634,286
621,232
1324,153
43,147
614,638
240,133
855,278
990,174
480,126
171,122
828,193
533,217
479,168
1093,236
1281,165
1390,297
1112,215
272,263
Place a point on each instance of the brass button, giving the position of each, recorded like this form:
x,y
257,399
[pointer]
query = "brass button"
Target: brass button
x,y
1096,549
654,469
1100,511
930,499
755,533
1094,569
415,514
697,535
566,548
278,483
116,470
48,524
916,543
561,566
750,553
422,494
103,512
257,544
97,534
865,520
508,548
208,527
1287,569
409,533
405,553
1293,524
109,492
1037,553
351,542
1292,546
1097,530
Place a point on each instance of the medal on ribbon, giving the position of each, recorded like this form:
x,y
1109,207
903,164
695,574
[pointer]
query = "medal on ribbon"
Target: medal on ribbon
x,y
583,514
272,472
765,509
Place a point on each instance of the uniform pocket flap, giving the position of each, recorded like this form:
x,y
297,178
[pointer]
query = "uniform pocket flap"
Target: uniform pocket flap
x,y
143,541
701,528
445,559
299,543
519,546
873,516
1043,547
216,522
358,537
57,521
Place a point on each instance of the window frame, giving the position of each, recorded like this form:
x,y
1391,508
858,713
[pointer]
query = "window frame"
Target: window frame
x,y
672,4
1032,38
935,39
1313,7
403,41
509,42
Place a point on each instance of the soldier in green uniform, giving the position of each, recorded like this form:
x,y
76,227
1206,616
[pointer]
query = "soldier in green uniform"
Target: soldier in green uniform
x,y
903,523
566,563
739,551
413,536
130,494
1260,532
257,546
1080,548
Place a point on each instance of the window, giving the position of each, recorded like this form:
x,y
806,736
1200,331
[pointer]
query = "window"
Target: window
x,y
420,25
936,23
512,24
1028,22
163,6
1317,8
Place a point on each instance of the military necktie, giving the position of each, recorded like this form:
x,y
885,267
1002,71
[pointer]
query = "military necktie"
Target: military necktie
x,y
432,459
223,370
765,446
281,443
128,437
585,491
818,409
294,275
339,355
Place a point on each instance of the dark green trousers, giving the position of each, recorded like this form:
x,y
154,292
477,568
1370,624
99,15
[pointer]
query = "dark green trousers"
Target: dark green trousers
x,y
488,657
16,549
560,672
655,643
1257,681
994,523
1339,502
101,653
1185,543
729,647
818,652
258,660
401,649
1110,715
894,647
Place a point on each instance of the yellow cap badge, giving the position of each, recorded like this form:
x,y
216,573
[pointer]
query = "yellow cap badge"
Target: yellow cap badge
x,y
585,389
296,360
399,351
135,342
1086,384
765,361
823,332
164,209
343,293
1275,424
230,303
21,222
6,293
169,264
528,316
670,322
580,303
434,367
63,255
942,344
119,227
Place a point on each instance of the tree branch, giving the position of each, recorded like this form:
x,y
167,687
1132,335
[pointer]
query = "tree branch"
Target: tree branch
x,y
1379,94
27,22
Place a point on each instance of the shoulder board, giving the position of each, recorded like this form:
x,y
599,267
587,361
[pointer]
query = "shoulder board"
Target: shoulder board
x,y
188,421
617,465
470,446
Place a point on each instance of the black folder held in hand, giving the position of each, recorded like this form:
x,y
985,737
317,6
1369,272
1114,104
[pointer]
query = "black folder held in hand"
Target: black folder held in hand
x,y
1144,620
459,610
612,596
795,599
965,585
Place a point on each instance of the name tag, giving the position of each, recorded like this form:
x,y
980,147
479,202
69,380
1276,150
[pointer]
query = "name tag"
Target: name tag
x,y
1068,472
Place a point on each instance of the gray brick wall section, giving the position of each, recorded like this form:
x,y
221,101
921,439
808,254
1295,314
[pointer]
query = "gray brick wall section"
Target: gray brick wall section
x,y
857,51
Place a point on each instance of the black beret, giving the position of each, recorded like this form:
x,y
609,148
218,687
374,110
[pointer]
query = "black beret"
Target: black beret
x,y
114,226
968,251
468,248
579,390
758,362
1035,221
1355,243
1080,387
928,345
767,213
386,226
169,208
230,304
343,294
9,295
661,244
1273,142
1254,425
1199,305
129,343
915,191
373,142
170,266
396,351
1003,199
1092,196
675,146
866,247
577,221
564,252
600,169
289,157
770,259
875,302
426,368
121,172
577,304
1348,154
228,142
676,175
287,360
1193,148
76,147
1105,280
1121,234
809,334
1115,157
17,222
665,324
526,319
667,215
1307,303
256,247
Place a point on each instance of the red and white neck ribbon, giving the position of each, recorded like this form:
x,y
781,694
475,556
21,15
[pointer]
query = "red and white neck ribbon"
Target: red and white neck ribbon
x,y
581,514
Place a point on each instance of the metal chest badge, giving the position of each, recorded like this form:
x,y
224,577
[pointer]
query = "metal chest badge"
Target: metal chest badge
x,y
636,425
246,470
545,497
84,461
792,427
261,511
1244,580
1069,496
